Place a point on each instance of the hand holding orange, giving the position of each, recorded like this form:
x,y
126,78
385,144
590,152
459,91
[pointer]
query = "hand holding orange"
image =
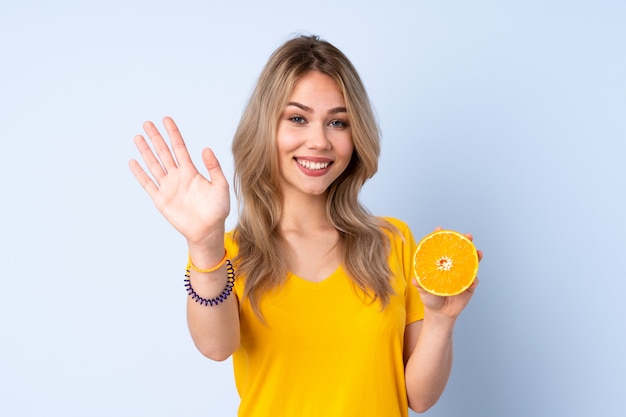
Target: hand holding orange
x,y
446,263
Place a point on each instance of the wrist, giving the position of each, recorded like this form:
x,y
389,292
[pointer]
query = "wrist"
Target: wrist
x,y
207,253
436,318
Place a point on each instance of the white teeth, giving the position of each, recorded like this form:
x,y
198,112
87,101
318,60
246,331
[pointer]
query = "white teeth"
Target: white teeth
x,y
312,165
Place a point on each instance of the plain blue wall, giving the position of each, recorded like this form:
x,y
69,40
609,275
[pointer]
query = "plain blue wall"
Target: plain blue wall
x,y
504,119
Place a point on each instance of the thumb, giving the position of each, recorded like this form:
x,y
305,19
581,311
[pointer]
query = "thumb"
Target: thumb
x,y
213,166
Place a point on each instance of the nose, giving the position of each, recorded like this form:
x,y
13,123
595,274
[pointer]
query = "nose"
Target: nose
x,y
318,138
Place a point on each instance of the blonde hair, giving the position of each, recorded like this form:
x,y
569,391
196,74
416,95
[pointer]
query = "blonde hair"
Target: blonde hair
x,y
364,245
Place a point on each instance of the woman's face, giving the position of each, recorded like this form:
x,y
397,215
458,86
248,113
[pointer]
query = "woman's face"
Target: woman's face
x,y
314,139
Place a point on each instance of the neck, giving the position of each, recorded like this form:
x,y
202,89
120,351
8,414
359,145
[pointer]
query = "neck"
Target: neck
x,y
304,213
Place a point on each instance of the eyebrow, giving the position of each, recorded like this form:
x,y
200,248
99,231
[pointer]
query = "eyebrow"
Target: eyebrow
x,y
310,110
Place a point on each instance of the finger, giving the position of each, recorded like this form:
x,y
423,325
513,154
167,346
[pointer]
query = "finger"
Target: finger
x,y
143,178
438,229
178,144
153,164
162,150
470,290
213,166
469,236
480,255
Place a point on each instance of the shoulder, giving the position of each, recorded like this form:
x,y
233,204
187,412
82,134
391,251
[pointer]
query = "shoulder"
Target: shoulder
x,y
395,227
397,223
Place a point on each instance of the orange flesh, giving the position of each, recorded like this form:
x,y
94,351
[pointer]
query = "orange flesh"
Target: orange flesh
x,y
446,263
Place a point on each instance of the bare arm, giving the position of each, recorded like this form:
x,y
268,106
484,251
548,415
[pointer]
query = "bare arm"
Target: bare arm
x,y
428,347
197,207
214,329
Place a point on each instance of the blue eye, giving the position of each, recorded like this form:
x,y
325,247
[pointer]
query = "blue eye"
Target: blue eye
x,y
337,123
297,119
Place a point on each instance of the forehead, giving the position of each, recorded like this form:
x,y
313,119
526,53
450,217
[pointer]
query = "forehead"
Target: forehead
x,y
315,85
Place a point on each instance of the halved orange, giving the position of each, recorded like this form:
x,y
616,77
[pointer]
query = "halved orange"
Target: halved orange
x,y
446,263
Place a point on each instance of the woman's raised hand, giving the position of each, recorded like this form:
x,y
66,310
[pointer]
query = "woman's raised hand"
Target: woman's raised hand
x,y
196,206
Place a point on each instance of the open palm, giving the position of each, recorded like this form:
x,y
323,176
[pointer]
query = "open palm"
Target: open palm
x,y
196,206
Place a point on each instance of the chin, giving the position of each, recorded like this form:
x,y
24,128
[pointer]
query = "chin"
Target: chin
x,y
316,192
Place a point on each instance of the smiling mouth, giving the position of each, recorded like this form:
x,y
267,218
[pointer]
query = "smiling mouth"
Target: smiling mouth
x,y
313,166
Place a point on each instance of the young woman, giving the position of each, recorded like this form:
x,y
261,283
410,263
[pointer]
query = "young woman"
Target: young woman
x,y
311,294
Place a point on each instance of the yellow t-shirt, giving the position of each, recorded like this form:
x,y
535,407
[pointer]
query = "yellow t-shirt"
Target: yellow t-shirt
x,y
324,351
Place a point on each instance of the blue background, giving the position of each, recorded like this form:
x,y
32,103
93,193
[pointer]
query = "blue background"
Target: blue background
x,y
503,119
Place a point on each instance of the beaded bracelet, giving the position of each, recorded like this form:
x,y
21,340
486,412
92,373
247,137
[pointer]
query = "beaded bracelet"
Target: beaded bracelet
x,y
190,264
220,298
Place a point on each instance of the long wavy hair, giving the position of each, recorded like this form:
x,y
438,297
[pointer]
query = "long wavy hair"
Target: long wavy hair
x,y
363,244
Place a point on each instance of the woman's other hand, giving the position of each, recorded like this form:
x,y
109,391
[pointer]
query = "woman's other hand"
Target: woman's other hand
x,y
448,306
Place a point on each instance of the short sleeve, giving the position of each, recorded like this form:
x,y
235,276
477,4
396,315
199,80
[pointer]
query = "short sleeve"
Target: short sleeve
x,y
403,249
